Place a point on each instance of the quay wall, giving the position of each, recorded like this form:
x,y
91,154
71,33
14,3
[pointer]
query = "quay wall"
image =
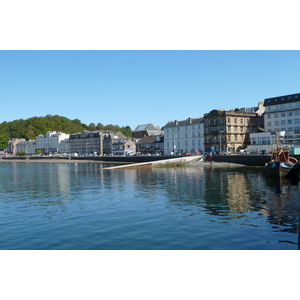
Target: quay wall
x,y
248,160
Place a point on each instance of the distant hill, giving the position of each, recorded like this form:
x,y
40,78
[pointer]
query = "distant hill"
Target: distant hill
x,y
32,127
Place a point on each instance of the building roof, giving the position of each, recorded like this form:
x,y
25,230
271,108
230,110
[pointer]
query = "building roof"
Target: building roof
x,y
147,127
150,139
185,122
282,99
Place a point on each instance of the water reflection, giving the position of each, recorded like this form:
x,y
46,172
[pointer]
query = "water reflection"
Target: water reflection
x,y
228,193
194,201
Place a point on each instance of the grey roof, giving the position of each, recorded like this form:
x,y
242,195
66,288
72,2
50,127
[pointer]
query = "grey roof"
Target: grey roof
x,y
282,99
147,127
185,122
150,139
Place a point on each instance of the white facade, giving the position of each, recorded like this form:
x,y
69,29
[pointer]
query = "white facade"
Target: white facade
x,y
283,114
184,136
64,146
264,141
28,146
49,143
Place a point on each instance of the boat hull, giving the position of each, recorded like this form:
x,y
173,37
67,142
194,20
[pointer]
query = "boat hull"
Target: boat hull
x,y
278,168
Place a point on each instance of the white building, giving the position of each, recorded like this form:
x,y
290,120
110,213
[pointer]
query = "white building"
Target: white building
x,y
64,146
49,143
28,146
184,136
264,141
283,114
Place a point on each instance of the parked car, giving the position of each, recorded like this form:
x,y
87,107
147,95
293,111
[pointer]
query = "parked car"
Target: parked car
x,y
186,153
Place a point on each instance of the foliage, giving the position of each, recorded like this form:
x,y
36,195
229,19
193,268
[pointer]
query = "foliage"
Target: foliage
x,y
21,153
32,127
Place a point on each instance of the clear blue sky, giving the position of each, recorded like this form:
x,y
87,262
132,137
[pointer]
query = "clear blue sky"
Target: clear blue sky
x,y
139,87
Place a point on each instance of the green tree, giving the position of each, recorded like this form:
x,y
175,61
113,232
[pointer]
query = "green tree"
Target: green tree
x,y
21,153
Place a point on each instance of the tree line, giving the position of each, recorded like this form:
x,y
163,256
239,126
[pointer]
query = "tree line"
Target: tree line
x,y
32,127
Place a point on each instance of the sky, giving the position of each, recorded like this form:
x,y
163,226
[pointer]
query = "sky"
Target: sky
x,y
133,87
136,62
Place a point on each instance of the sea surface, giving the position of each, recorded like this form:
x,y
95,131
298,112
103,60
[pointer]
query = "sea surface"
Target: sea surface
x,y
79,206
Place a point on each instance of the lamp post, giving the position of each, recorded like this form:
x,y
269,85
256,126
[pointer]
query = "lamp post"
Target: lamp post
x,y
220,141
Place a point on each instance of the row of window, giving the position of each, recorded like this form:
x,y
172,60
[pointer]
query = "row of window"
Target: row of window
x,y
184,144
285,114
285,122
284,106
178,129
215,139
297,128
218,121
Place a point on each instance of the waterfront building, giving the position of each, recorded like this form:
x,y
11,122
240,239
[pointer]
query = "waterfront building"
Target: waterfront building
x,y
153,145
28,146
87,142
146,130
49,143
64,146
118,144
12,145
229,131
184,136
282,113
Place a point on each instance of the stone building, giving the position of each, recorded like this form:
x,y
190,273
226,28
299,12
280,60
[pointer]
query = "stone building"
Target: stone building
x,y
118,144
12,145
87,142
228,131
153,145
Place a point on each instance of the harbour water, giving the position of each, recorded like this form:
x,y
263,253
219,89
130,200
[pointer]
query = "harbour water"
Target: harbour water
x,y
203,207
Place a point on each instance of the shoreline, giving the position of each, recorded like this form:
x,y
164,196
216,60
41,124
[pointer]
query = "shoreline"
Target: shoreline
x,y
54,160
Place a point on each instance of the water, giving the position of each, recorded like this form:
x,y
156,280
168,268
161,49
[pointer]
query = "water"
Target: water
x,y
84,206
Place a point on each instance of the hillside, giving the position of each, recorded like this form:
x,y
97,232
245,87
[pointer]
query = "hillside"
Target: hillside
x,y
32,127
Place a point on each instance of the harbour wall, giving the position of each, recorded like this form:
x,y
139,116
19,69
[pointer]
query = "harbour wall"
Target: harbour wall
x,y
248,160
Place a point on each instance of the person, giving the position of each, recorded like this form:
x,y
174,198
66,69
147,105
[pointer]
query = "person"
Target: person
x,y
210,157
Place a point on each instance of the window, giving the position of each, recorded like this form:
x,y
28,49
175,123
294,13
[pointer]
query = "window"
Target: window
x,y
235,120
235,138
269,123
289,113
297,121
228,120
283,114
276,115
283,122
241,121
296,112
290,122
269,116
